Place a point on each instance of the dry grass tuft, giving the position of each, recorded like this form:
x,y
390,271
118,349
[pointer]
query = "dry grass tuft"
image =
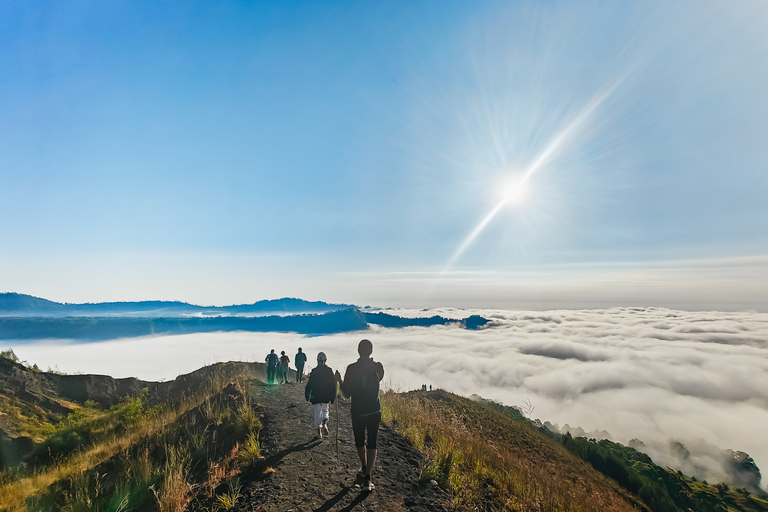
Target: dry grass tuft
x,y
174,489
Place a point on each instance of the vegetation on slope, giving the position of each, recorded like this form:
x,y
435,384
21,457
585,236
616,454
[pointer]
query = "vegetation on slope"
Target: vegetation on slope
x,y
492,457
134,455
660,489
490,461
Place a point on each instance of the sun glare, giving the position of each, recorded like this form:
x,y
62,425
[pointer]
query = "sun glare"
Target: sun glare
x,y
514,192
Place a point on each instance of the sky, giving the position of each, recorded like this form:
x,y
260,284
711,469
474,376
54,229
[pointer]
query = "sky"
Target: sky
x,y
654,374
518,155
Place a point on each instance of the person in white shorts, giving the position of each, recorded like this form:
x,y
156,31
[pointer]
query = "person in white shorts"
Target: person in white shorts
x,y
321,392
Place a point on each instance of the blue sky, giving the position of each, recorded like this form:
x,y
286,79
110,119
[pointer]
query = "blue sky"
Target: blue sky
x,y
224,152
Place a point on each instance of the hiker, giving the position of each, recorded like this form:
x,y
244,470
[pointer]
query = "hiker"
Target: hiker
x,y
284,361
300,359
320,392
271,361
361,383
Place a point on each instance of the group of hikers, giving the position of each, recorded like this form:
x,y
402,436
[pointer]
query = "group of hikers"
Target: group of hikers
x,y
360,383
281,365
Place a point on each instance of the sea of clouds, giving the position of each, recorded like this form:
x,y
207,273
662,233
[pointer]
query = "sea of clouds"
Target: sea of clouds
x,y
654,374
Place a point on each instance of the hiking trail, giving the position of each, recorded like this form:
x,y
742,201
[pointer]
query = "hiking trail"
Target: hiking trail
x,y
307,474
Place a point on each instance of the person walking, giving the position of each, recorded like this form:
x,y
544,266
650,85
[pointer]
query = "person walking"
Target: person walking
x,y
361,383
272,362
284,362
321,392
300,359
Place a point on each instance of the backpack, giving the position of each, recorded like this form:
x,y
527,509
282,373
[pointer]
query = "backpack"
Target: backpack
x,y
367,385
323,385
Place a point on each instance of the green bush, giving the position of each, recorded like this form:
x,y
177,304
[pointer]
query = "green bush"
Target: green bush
x,y
9,354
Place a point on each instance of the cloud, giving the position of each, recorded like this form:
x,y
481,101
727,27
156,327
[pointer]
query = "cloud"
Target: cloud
x,y
647,373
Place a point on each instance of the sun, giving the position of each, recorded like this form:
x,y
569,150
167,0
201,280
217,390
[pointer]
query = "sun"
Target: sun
x,y
514,192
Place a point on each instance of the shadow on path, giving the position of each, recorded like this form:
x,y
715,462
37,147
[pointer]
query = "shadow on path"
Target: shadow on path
x,y
328,505
274,459
360,498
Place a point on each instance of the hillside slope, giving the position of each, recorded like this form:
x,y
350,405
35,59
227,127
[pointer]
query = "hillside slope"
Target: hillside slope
x,y
479,447
219,438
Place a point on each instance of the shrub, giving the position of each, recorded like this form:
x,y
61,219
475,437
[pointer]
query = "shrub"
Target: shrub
x,y
9,354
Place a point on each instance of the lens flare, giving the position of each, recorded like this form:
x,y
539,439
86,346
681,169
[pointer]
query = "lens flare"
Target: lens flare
x,y
516,191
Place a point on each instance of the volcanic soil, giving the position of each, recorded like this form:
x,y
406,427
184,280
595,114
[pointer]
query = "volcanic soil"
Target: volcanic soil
x,y
301,472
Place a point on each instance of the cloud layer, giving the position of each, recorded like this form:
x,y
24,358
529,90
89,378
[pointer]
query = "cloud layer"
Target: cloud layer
x,y
647,373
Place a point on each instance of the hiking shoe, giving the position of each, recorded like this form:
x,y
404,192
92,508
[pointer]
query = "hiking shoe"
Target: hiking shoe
x,y
361,473
368,486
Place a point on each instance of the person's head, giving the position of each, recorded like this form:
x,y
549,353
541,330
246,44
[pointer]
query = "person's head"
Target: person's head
x,y
321,359
365,348
272,351
282,352
299,350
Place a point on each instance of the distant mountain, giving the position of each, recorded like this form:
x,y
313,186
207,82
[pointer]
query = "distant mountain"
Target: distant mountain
x,y
20,305
102,328
23,317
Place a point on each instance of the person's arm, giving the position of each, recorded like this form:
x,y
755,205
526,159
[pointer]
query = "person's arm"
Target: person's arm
x,y
335,388
346,384
380,371
308,389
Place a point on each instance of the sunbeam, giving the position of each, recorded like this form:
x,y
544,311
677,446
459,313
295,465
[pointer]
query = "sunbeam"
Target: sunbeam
x,y
553,146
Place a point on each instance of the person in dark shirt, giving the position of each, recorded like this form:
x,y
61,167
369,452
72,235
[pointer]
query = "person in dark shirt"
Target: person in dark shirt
x,y
272,361
361,383
300,359
321,392
284,362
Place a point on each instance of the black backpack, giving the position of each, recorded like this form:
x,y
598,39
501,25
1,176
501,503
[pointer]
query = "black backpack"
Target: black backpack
x,y
367,385
323,385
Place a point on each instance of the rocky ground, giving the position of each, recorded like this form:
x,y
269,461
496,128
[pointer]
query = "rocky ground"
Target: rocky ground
x,y
303,473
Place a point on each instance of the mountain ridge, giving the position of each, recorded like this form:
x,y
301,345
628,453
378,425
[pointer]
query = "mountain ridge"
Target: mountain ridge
x,y
19,304
312,324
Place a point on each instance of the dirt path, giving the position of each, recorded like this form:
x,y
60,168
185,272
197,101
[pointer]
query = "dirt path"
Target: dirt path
x,y
307,474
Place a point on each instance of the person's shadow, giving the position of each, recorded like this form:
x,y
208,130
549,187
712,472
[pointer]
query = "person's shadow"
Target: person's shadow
x,y
325,507
256,472
274,459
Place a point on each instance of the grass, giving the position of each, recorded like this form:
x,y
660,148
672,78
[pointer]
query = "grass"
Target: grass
x,y
250,451
154,454
228,500
471,453
174,489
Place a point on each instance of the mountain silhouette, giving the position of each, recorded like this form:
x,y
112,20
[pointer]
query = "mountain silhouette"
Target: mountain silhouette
x,y
23,317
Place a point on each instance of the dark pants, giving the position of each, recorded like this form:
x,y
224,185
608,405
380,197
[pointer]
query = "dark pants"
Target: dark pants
x,y
299,373
271,374
361,424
